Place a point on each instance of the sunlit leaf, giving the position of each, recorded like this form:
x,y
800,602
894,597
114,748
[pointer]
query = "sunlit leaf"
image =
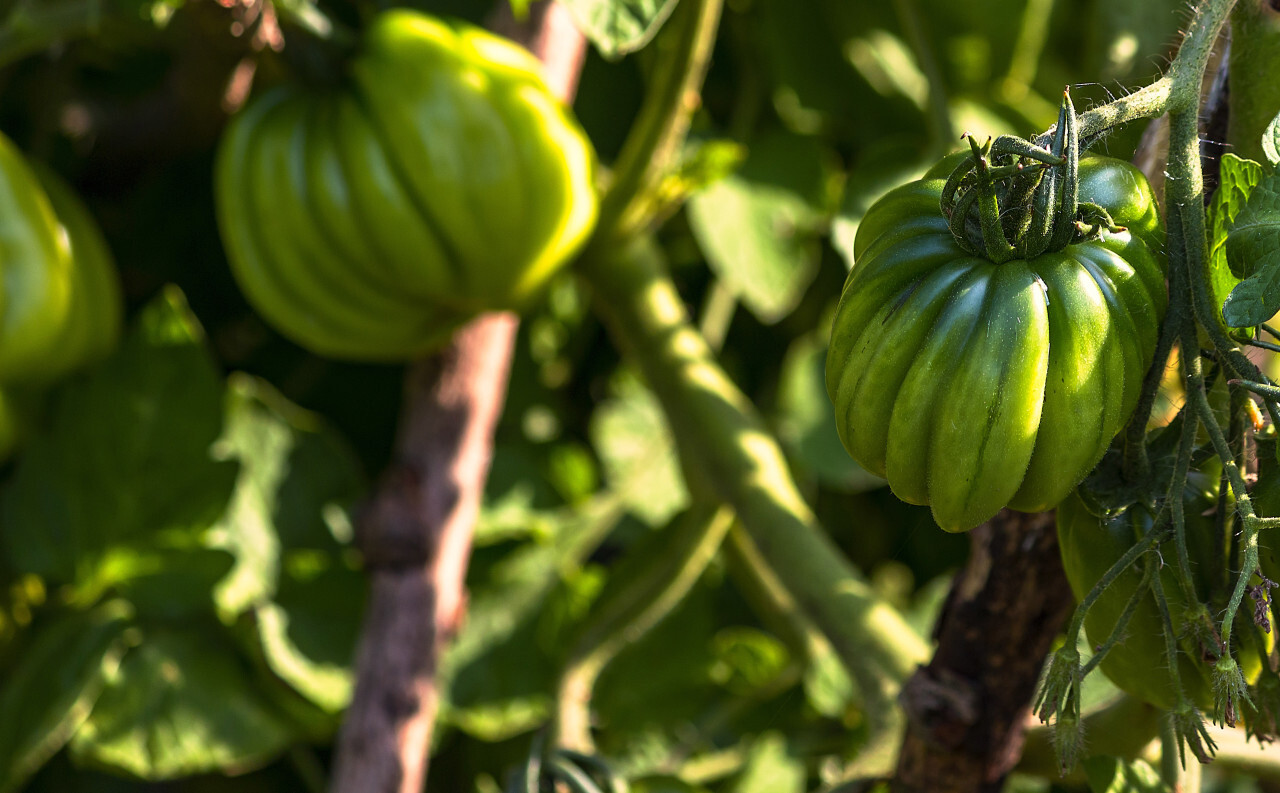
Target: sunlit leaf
x,y
49,692
771,768
1253,246
127,461
631,435
182,703
758,226
1271,141
618,27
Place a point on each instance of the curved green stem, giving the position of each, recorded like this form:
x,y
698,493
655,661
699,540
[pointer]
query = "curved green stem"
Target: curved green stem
x,y
1244,505
1120,630
1148,541
624,614
1027,50
722,438
1136,463
1182,465
1178,90
654,144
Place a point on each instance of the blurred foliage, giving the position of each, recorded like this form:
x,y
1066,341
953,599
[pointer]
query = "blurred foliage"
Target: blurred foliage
x,y
178,595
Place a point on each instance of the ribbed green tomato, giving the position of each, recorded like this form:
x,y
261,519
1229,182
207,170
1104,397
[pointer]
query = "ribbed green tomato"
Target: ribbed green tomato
x,y
96,310
1139,664
35,272
972,386
440,180
60,302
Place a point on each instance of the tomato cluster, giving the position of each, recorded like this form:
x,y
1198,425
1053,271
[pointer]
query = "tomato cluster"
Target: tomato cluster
x,y
60,302
441,179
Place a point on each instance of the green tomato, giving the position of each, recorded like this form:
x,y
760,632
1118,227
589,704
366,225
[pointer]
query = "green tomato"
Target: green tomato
x,y
96,309
972,386
1139,663
60,301
440,180
35,272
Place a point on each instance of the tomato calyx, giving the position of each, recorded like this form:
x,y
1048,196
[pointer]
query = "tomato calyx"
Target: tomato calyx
x,y
1014,199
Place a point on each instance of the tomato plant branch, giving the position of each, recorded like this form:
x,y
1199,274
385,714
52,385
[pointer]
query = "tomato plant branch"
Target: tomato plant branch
x,y
1129,724
1188,248
967,709
626,613
416,534
654,144
722,438
1173,498
1137,462
1187,724
1177,90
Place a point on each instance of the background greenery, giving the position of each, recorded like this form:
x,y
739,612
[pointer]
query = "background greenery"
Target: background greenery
x,y
178,594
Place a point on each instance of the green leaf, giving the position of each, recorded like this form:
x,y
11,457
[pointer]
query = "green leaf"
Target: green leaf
x,y
1253,246
289,528
1237,178
1113,775
806,423
827,685
771,768
747,659
758,227
182,703
1271,141
675,660
126,463
631,435
618,27
496,683
309,632
50,691
166,584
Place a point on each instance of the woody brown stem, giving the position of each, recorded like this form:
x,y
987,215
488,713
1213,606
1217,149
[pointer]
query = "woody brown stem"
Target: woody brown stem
x,y
967,710
416,532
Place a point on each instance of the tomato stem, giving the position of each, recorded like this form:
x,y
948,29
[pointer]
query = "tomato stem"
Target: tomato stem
x,y
654,143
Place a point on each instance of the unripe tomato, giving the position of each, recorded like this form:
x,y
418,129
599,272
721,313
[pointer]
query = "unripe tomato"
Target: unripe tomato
x,y
971,385
1139,663
439,180
60,302
35,271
